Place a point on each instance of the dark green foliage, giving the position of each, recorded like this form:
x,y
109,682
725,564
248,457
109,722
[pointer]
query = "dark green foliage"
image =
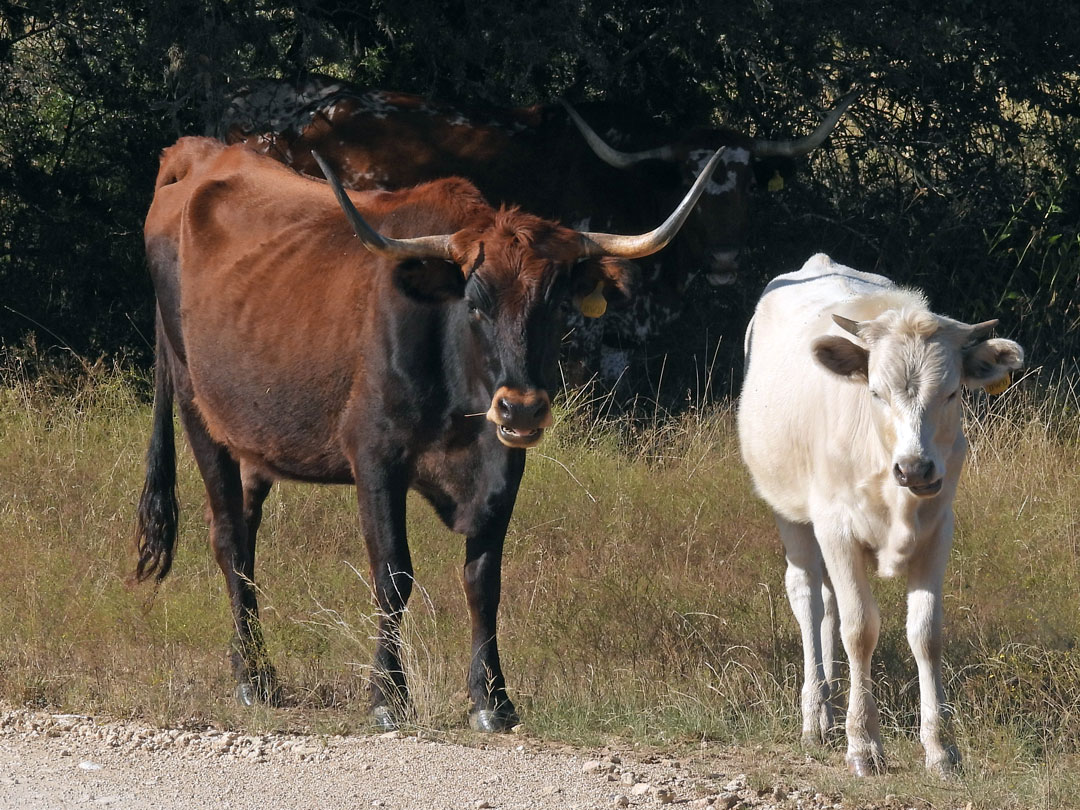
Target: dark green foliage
x,y
956,170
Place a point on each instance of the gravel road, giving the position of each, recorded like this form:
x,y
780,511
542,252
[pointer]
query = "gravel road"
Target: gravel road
x,y
50,761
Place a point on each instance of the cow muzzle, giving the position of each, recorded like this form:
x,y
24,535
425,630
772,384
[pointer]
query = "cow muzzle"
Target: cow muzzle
x,y
722,267
520,416
920,476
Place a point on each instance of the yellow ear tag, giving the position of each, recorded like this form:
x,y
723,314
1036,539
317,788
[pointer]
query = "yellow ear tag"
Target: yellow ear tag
x,y
998,386
594,304
776,182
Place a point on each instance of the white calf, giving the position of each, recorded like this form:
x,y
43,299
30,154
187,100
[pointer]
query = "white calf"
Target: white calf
x,y
850,424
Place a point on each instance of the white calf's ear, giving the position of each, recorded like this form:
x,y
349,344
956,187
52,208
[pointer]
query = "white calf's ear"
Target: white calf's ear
x,y
990,361
840,356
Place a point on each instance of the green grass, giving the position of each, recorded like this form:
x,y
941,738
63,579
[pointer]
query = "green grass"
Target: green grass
x,y
643,595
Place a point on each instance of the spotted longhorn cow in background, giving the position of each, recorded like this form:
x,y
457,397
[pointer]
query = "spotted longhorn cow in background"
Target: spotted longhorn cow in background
x,y
537,157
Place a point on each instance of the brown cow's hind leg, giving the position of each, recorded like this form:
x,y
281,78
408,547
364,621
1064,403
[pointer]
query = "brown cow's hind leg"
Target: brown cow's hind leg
x,y
234,519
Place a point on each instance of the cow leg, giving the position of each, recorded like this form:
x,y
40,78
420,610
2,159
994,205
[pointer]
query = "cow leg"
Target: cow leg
x,y
860,623
263,685
926,574
381,496
830,629
234,550
492,708
805,588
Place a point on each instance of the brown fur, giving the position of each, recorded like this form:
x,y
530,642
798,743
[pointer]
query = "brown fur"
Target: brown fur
x,y
295,352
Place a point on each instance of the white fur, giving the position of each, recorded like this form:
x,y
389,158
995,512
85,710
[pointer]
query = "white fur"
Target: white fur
x,y
821,451
700,157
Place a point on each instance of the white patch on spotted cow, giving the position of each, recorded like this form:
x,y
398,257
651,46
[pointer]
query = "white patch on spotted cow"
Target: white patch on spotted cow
x,y
700,157
275,105
377,103
613,363
371,179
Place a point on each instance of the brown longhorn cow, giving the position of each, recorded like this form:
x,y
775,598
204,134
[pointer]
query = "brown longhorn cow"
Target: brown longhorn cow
x,y
537,157
416,356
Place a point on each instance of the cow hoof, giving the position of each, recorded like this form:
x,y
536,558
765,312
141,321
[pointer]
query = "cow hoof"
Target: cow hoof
x,y
245,694
249,694
863,766
946,765
384,719
493,721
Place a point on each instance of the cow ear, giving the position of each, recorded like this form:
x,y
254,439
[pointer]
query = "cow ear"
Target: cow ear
x,y
433,281
619,278
840,356
990,361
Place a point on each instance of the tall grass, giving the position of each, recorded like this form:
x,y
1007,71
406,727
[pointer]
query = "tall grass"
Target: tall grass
x,y
643,591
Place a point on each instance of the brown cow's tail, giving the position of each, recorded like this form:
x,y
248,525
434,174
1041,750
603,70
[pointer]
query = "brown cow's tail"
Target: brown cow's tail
x,y
158,513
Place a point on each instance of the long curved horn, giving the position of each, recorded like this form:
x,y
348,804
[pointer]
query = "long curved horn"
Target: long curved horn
x,y
634,247
811,141
607,153
419,247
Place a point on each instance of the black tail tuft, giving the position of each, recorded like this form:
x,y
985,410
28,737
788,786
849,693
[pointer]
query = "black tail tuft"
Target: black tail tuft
x,y
158,514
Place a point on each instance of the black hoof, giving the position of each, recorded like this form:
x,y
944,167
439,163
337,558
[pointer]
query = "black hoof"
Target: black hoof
x,y
493,721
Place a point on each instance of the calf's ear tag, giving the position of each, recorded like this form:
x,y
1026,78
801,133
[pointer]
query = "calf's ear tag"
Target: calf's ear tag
x,y
776,182
998,386
594,304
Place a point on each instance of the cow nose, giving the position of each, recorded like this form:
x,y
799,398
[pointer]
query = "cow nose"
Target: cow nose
x,y
915,473
520,415
526,412
723,266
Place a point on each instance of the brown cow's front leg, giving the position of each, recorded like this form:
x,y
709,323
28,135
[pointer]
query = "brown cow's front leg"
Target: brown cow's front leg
x,y
235,509
381,499
492,709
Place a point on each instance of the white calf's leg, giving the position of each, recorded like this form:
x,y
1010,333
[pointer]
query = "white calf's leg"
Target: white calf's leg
x,y
926,574
859,626
804,588
830,627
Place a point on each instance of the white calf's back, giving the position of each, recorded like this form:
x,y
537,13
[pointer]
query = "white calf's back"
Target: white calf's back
x,y
798,423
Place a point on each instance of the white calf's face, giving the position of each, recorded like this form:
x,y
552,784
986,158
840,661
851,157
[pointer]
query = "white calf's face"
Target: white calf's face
x,y
914,382
913,366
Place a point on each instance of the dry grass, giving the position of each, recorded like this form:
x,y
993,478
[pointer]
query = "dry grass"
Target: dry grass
x,y
643,593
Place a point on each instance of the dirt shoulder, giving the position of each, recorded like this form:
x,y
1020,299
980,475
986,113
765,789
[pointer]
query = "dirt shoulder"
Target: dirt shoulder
x,y
52,761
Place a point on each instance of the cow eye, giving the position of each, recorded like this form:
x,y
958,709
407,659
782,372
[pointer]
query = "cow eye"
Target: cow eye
x,y
556,289
478,299
476,312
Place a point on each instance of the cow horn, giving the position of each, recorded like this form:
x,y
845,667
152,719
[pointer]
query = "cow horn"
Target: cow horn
x,y
419,247
980,331
634,247
763,149
847,324
607,153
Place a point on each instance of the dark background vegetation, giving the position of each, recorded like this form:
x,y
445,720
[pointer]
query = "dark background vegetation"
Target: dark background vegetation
x,y
956,170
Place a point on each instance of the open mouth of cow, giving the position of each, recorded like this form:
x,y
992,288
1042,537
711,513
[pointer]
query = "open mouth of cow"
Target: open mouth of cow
x,y
512,437
927,490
